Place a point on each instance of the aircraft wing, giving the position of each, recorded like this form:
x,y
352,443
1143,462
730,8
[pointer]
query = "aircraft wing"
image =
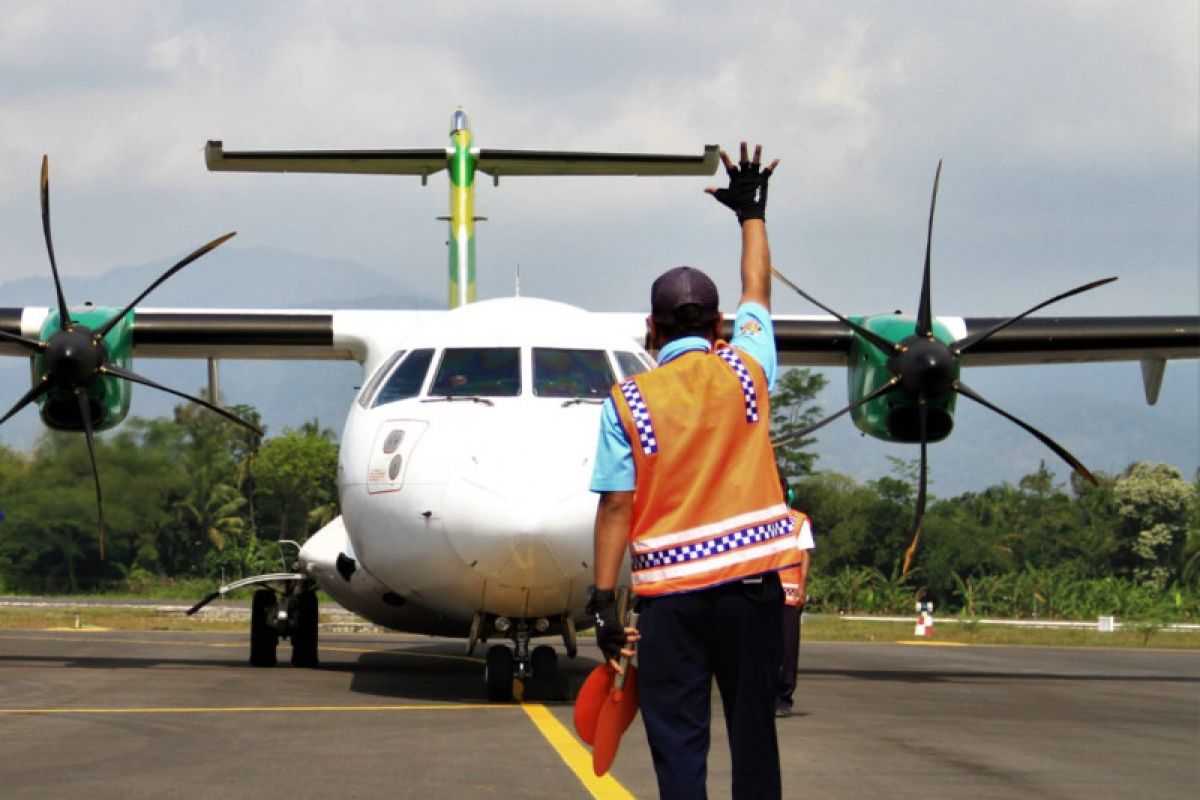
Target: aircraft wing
x,y
820,341
824,341
1151,341
803,340
243,334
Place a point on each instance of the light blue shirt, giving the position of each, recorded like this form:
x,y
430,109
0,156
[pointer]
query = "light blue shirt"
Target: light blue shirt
x,y
753,334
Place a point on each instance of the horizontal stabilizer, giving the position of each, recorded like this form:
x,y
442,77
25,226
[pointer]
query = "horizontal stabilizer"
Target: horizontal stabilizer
x,y
500,163
360,162
428,161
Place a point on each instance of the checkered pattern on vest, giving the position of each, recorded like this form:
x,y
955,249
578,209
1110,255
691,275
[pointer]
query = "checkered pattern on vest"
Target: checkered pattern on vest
x,y
711,547
641,416
730,357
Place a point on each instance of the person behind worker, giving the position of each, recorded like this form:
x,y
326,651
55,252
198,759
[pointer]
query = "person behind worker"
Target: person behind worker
x,y
795,594
687,482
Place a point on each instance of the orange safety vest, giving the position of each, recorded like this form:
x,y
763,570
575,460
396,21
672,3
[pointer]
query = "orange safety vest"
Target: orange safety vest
x,y
708,508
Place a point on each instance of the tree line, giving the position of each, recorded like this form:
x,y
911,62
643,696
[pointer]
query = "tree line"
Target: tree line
x,y
1129,546
188,497
195,497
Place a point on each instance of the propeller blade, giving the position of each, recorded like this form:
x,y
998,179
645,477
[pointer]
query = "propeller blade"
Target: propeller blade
x,y
85,414
113,369
1075,463
63,316
923,417
871,336
924,311
195,254
962,345
33,345
33,394
887,388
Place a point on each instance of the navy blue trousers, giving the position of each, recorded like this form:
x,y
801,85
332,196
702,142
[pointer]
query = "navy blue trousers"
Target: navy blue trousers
x,y
730,633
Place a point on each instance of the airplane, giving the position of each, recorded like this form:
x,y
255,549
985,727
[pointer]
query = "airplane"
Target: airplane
x,y
466,455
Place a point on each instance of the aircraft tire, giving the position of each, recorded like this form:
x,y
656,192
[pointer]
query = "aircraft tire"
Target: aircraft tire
x,y
304,636
545,664
498,674
263,638
549,682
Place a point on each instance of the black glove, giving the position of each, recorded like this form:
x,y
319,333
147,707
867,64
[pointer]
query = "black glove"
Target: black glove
x,y
610,633
747,190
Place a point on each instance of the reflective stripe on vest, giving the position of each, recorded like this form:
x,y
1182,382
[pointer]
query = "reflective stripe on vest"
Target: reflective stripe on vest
x,y
719,555
730,357
641,417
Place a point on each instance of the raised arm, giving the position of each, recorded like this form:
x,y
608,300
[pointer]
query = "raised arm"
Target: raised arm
x,y
746,195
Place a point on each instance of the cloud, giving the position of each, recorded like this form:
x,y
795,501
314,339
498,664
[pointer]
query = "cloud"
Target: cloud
x,y
1069,132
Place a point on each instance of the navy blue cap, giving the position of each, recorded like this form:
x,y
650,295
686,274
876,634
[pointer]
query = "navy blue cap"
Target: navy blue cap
x,y
684,296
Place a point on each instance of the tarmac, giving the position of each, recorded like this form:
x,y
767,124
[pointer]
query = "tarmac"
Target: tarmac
x,y
111,714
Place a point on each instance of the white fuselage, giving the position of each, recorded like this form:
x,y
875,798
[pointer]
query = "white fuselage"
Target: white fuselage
x,y
457,504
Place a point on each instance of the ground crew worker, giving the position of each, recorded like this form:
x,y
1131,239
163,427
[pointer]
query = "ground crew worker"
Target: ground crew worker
x,y
687,482
795,589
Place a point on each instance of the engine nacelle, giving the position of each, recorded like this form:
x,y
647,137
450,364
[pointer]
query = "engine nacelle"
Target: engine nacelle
x,y
109,397
895,416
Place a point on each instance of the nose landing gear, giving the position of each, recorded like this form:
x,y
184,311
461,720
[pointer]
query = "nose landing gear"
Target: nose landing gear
x,y
534,674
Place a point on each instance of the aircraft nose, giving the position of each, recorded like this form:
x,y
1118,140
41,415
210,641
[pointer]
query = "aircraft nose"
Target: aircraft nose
x,y
519,520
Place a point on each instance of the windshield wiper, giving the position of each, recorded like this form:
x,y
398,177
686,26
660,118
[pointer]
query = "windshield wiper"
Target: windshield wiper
x,y
577,400
455,398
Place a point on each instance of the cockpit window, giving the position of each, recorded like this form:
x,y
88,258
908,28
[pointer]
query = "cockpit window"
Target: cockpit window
x,y
630,364
571,373
405,381
364,397
478,371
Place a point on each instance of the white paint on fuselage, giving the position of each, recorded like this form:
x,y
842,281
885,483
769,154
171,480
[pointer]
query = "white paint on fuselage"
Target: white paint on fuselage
x,y
488,509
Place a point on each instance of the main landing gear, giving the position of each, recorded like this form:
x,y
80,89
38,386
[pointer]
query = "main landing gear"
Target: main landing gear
x,y
287,613
535,674
292,615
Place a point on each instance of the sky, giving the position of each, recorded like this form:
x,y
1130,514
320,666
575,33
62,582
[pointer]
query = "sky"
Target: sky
x,y
1069,132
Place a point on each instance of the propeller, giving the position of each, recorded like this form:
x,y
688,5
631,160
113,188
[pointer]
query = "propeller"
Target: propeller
x,y
923,367
75,357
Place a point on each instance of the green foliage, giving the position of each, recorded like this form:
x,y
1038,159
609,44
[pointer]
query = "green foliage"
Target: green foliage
x,y
179,502
295,474
1128,547
1154,507
792,410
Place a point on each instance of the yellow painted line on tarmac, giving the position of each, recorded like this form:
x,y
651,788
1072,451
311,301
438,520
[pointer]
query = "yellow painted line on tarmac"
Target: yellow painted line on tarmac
x,y
80,629
253,709
574,754
921,643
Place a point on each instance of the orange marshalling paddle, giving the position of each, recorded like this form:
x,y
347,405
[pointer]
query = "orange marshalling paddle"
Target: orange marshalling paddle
x,y
605,707
616,715
591,697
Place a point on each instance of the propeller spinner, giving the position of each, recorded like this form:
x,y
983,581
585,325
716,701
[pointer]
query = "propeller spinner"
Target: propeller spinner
x,y
922,368
75,358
